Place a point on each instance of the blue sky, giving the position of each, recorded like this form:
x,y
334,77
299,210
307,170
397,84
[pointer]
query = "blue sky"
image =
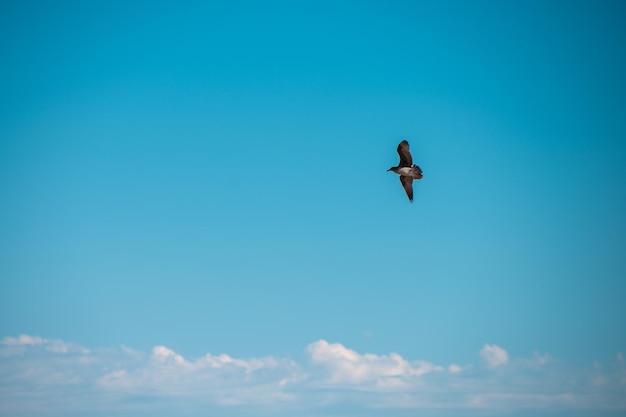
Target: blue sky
x,y
193,179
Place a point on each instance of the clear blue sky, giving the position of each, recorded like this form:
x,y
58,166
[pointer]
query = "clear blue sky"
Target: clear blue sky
x,y
210,177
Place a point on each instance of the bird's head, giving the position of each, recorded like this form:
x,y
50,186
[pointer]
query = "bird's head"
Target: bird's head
x,y
393,169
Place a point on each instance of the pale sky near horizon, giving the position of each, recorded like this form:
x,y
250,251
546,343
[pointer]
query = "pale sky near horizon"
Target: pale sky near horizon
x,y
180,181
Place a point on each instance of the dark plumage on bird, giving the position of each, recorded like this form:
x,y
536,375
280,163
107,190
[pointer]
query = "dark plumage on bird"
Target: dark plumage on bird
x,y
407,171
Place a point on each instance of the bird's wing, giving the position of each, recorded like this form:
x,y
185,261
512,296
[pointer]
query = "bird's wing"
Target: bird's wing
x,y
407,184
405,156
420,172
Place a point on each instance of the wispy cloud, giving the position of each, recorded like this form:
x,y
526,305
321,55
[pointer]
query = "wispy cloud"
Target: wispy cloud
x,y
19,344
220,379
42,377
453,368
494,355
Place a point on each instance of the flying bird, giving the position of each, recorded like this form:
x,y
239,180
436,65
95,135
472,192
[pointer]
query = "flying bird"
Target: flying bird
x,y
407,171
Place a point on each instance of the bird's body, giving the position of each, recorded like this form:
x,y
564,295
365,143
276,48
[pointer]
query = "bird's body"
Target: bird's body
x,y
414,172
406,169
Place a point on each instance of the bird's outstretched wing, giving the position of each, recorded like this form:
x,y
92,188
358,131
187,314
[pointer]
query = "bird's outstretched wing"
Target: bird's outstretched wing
x,y
405,156
407,184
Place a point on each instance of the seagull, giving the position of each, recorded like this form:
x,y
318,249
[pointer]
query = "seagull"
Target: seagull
x,y
407,171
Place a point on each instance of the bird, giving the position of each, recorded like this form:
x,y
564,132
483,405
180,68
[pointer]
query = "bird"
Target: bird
x,y
407,171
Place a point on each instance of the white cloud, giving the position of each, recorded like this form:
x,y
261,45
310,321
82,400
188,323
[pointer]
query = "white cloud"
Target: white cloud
x,y
22,340
347,366
219,379
17,345
53,377
454,369
494,355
